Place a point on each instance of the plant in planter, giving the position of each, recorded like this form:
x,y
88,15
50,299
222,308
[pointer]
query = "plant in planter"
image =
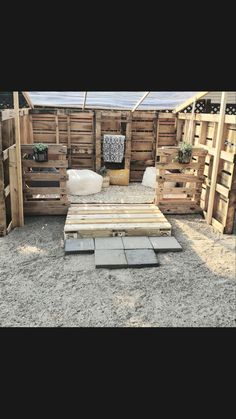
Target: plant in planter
x,y
106,178
40,152
185,153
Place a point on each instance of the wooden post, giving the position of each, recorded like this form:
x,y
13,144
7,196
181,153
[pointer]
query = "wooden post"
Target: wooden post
x,y
30,130
219,144
179,130
13,187
57,130
69,141
192,124
18,159
128,141
98,146
155,135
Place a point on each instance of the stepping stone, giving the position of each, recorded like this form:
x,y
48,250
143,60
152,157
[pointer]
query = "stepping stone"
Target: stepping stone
x,y
109,243
73,246
110,259
165,244
136,243
141,258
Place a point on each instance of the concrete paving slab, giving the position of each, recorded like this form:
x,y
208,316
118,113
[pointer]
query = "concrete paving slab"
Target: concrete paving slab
x,y
165,244
73,246
110,259
139,242
109,243
141,258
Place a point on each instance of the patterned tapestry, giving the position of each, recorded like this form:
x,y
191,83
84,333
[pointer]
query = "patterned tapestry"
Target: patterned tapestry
x,y
113,148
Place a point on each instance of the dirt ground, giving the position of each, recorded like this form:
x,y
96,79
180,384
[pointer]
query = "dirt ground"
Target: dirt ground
x,y
40,286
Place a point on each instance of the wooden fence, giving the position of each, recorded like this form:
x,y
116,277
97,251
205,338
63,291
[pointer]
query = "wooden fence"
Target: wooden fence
x,y
184,199
204,134
44,184
82,133
75,130
9,209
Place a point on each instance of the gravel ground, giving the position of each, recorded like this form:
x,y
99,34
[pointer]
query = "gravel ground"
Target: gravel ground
x,y
40,286
135,193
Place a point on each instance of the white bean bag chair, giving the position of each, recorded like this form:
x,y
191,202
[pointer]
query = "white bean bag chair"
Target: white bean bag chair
x,y
150,178
83,182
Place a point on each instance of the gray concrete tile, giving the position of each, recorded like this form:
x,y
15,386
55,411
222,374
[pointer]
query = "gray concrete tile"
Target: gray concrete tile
x,y
140,242
141,258
110,259
109,243
73,246
165,244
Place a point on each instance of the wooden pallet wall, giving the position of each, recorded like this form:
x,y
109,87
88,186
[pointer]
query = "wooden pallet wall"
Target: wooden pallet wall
x,y
82,133
75,130
113,123
8,168
144,131
41,199
204,135
166,130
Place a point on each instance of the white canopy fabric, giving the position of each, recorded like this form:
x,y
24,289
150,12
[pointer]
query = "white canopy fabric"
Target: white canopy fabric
x,y
111,100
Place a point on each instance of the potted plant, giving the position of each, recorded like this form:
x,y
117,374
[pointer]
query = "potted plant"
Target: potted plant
x,y
106,178
40,152
185,153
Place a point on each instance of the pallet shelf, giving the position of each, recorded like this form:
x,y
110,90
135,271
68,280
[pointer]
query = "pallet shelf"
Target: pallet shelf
x,y
45,191
190,177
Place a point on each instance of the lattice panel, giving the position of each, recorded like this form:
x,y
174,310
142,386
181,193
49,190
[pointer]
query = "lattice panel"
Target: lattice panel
x,y
215,108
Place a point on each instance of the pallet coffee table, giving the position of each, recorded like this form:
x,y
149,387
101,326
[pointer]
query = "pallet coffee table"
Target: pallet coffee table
x,y
115,220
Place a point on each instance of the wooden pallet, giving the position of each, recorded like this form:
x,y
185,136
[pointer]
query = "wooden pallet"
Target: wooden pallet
x,y
107,220
45,200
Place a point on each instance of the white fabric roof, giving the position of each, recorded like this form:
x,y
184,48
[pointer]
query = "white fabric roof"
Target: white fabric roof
x,y
113,100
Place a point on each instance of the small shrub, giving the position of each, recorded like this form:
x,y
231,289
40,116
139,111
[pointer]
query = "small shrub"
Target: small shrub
x,y
185,153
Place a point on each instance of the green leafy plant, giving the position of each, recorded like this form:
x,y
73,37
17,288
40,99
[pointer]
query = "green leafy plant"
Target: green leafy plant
x,y
185,153
39,148
103,171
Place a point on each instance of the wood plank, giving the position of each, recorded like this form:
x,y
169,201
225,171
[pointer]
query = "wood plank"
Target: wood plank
x,y
142,126
141,155
115,221
113,206
13,187
111,216
219,146
179,177
119,226
18,159
128,135
217,225
98,145
142,145
45,191
50,163
57,130
229,224
175,166
173,151
41,176
52,149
